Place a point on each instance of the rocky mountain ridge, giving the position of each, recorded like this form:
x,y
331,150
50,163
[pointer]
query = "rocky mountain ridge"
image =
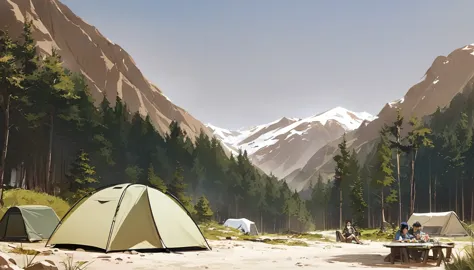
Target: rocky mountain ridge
x,y
282,146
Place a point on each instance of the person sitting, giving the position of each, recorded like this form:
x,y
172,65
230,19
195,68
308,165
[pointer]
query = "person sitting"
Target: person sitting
x,y
402,235
349,233
415,230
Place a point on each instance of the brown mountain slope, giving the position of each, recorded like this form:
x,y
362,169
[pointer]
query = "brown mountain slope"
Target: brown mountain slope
x,y
108,68
446,77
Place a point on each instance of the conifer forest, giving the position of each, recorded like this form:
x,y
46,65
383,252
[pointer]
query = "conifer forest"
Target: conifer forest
x,y
55,140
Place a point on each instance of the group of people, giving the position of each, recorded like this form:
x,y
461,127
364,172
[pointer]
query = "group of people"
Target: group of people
x,y
413,234
404,234
407,234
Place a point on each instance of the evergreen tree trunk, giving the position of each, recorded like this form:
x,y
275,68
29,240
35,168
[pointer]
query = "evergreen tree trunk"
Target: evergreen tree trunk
x,y
399,188
368,205
472,206
412,183
289,220
429,190
382,204
462,198
434,198
6,135
49,165
340,207
456,196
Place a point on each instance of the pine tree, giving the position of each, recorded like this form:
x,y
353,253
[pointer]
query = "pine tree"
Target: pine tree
x,y
341,172
53,94
154,180
178,188
395,131
133,173
203,210
10,88
417,137
356,196
383,172
80,177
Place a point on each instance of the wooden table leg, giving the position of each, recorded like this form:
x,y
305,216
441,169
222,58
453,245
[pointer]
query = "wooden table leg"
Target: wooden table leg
x,y
392,255
404,255
448,253
435,253
425,256
440,256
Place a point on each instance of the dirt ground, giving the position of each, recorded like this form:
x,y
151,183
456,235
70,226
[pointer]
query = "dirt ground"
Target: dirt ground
x,y
230,254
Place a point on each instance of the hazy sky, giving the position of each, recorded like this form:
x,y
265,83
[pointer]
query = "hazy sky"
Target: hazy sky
x,y
236,63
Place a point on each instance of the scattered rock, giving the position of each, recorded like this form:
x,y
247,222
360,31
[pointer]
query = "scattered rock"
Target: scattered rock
x,y
119,259
46,253
8,263
133,252
103,257
299,264
80,249
44,265
127,252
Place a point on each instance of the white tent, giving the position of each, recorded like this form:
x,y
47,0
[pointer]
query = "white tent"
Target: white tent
x,y
242,224
442,223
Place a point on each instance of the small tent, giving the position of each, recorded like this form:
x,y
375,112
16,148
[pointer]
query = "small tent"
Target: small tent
x,y
28,223
442,223
243,224
129,217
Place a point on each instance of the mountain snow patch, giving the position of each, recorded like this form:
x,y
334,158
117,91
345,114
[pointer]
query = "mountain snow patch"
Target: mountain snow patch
x,y
271,133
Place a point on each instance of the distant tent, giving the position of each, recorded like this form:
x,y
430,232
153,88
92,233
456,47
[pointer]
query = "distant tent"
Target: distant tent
x,y
243,224
129,217
442,223
28,223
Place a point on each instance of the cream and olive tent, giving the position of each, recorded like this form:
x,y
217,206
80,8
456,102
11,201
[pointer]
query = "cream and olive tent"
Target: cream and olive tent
x,y
441,223
129,217
28,223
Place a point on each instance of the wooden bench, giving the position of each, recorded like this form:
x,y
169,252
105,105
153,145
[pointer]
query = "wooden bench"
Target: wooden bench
x,y
437,249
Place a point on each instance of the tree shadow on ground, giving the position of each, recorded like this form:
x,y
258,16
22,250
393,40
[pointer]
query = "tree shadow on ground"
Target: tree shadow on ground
x,y
375,260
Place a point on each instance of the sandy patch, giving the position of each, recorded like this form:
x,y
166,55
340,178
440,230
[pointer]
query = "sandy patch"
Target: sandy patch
x,y
230,254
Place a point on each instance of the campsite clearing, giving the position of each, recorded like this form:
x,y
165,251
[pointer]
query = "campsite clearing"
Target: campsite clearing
x,y
230,254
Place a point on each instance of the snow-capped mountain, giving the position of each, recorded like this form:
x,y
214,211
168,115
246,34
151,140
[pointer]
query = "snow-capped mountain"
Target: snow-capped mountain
x,y
282,146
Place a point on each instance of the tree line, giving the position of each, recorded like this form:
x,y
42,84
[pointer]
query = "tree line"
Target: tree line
x,y
54,140
419,165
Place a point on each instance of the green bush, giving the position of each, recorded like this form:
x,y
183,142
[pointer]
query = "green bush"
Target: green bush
x,y
14,197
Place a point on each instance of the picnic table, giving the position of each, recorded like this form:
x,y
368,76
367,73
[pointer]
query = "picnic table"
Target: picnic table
x,y
437,249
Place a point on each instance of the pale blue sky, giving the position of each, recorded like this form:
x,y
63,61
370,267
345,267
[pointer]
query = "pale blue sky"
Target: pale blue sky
x,y
238,63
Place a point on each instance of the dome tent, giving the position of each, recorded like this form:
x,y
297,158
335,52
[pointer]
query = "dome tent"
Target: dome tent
x,y
129,217
28,222
243,224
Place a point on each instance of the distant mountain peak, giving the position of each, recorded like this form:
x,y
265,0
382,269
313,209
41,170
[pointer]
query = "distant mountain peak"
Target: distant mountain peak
x,y
286,144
